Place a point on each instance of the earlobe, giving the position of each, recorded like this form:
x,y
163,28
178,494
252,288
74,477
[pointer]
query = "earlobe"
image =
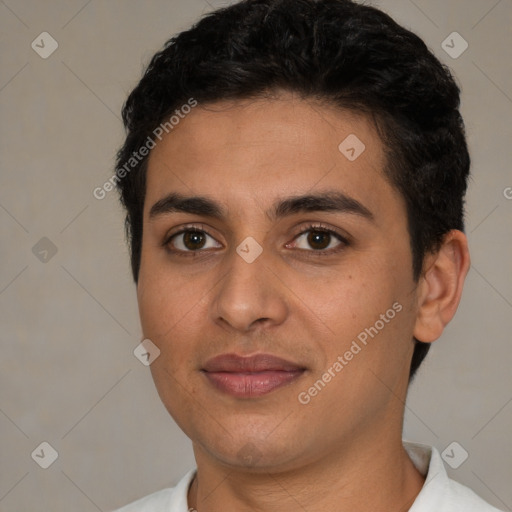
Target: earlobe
x,y
440,286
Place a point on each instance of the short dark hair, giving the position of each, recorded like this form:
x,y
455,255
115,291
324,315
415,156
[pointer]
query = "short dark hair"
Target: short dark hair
x,y
341,53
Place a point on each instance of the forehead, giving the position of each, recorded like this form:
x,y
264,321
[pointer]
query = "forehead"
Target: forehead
x,y
245,151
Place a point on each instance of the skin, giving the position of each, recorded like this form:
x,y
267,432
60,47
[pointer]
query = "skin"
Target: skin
x,y
341,451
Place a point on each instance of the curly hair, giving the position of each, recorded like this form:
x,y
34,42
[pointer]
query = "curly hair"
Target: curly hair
x,y
341,53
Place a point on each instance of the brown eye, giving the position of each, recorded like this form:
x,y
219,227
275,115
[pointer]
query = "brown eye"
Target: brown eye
x,y
319,239
192,240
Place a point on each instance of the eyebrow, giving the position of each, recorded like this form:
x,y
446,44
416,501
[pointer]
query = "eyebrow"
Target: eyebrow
x,y
323,202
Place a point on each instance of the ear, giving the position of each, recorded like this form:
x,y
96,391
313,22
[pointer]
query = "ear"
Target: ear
x,y
440,286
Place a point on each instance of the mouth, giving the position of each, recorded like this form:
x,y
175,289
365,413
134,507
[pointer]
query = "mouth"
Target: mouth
x,y
250,376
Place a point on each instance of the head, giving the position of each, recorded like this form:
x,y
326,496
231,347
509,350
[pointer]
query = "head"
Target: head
x,y
246,84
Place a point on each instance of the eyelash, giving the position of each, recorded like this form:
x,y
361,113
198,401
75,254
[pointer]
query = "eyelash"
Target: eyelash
x,y
311,227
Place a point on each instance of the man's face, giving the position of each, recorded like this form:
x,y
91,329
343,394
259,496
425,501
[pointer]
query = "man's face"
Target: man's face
x,y
310,297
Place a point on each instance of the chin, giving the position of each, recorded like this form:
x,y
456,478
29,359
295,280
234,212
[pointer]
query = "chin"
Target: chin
x,y
255,452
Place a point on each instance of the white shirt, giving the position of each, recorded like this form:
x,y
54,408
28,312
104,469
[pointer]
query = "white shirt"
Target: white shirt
x,y
439,493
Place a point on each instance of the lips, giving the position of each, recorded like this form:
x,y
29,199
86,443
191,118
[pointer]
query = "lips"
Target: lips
x,y
250,376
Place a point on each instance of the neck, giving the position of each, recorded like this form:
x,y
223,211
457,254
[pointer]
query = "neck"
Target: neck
x,y
360,475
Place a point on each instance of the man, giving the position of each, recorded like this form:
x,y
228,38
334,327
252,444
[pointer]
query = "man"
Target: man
x,y
294,174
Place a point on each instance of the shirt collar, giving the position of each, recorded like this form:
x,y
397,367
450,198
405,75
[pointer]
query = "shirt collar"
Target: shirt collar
x,y
428,462
426,459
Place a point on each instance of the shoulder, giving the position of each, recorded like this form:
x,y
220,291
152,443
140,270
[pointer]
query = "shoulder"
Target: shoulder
x,y
462,498
439,492
156,502
172,499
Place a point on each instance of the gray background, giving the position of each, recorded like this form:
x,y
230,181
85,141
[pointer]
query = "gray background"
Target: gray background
x,y
70,324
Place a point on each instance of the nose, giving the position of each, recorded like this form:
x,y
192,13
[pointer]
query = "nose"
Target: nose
x,y
250,295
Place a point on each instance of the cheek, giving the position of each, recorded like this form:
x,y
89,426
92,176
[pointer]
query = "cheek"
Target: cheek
x,y
169,303
347,299
369,303
170,313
